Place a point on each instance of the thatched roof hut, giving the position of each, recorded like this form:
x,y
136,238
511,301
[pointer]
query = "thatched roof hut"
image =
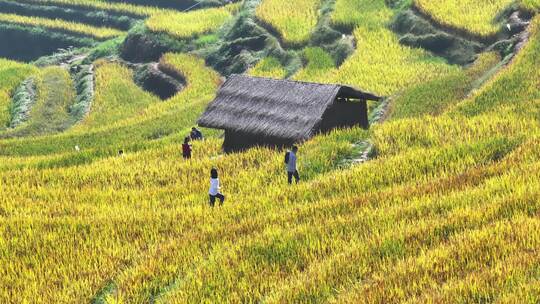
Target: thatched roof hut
x,y
263,111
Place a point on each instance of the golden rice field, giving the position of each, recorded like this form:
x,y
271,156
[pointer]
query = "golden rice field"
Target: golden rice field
x,y
186,25
516,88
447,210
350,13
158,119
294,21
318,64
380,63
384,66
49,114
101,33
441,94
269,67
117,97
172,22
122,7
11,75
476,17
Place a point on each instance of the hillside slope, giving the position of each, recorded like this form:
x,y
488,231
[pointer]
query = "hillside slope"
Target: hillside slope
x,y
445,209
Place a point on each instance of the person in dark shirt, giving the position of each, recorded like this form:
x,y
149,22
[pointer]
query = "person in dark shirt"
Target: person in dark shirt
x,y
186,148
196,134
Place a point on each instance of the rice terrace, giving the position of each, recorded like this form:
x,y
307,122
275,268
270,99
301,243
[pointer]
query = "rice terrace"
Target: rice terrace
x,y
269,151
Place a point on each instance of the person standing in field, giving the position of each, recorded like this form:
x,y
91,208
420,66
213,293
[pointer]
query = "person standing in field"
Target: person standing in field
x,y
196,134
186,148
214,191
292,170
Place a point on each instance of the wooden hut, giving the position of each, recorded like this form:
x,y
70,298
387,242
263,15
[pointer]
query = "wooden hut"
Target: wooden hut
x,y
270,112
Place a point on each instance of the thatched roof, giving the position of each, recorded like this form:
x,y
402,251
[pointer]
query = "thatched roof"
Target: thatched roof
x,y
277,108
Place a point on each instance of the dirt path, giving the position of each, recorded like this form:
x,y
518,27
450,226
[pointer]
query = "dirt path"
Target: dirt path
x,y
364,149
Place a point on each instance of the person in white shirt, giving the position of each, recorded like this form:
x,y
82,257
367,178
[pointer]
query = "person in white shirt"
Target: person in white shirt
x,y
292,170
214,188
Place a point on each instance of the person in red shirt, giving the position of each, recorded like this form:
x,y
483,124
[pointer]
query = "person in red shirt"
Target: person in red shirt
x,y
186,148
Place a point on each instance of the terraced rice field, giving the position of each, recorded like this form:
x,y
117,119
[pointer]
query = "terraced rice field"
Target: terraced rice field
x,y
350,13
123,7
319,64
49,111
384,66
380,63
479,18
269,67
11,75
445,210
76,28
294,21
174,22
187,25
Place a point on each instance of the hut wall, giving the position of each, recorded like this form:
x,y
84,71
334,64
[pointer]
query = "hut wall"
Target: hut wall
x,y
345,114
240,141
